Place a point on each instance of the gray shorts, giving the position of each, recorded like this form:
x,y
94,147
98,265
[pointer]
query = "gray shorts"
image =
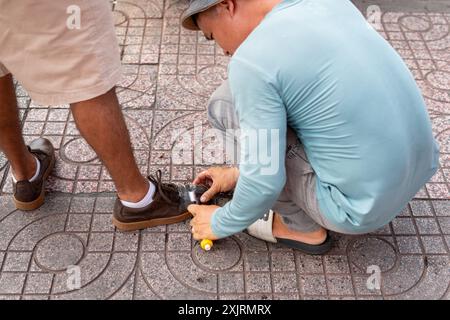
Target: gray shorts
x,y
297,203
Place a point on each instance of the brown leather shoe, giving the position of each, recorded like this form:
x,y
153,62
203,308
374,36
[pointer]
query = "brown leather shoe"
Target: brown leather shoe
x,y
31,195
168,206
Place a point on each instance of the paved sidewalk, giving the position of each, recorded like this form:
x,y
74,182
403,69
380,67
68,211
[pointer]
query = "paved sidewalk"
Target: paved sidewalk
x,y
169,74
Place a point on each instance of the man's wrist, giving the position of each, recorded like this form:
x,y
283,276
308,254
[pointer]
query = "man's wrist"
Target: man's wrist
x,y
215,223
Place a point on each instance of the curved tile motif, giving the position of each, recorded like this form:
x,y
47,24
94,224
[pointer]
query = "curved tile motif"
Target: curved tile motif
x,y
165,263
168,76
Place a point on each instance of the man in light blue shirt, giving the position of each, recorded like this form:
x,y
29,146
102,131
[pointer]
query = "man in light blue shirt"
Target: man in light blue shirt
x,y
334,106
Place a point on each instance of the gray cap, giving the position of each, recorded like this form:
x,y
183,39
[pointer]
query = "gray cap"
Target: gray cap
x,y
196,6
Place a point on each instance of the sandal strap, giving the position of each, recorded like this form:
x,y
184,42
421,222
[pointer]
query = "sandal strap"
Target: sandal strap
x,y
262,228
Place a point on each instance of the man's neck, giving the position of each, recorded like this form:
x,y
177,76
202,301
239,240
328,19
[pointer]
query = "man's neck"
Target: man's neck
x,y
253,12
261,8
268,5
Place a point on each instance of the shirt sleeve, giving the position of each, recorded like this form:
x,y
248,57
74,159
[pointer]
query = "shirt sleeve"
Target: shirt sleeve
x,y
263,123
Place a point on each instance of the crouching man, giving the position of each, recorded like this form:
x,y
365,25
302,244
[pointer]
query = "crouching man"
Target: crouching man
x,y
349,125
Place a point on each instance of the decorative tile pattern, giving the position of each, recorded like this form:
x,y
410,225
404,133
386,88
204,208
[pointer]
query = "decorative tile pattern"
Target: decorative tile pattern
x,y
38,249
168,75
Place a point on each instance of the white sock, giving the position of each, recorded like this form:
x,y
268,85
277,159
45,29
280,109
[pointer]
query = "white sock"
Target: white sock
x,y
144,202
36,174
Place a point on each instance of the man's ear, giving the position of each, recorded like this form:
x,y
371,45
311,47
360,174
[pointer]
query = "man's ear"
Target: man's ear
x,y
228,6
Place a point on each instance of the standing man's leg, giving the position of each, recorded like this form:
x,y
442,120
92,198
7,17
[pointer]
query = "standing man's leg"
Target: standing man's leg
x,y
101,123
31,165
291,220
22,162
77,65
75,59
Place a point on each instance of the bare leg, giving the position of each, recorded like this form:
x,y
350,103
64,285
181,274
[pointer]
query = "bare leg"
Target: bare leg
x,y
12,144
280,230
101,122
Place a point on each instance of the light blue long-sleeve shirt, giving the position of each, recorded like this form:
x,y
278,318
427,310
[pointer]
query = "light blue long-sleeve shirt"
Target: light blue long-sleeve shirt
x,y
317,66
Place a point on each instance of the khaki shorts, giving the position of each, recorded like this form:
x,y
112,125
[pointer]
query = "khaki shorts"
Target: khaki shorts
x,y
55,58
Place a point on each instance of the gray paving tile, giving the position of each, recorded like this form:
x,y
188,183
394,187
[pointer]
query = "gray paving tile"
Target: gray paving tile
x,y
421,208
336,264
342,298
58,251
284,282
102,223
190,274
11,282
442,208
258,283
407,275
82,205
100,242
408,244
403,226
444,223
340,285
17,261
108,281
224,256
289,296
231,283
126,242
282,261
434,244
259,296
427,226
179,241
104,205
257,261
309,264
126,292
434,282
10,297
79,222
168,75
314,285
154,242
406,212
38,283
365,252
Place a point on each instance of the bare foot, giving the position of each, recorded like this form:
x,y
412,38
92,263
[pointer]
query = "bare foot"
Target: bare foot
x,y
280,230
